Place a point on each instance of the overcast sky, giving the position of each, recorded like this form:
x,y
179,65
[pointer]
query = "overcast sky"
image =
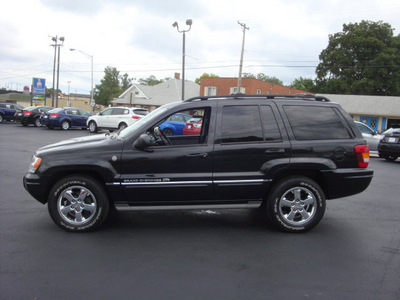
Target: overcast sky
x,y
136,36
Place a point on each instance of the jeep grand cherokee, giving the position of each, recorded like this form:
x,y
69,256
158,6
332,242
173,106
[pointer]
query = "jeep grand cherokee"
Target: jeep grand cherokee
x,y
283,154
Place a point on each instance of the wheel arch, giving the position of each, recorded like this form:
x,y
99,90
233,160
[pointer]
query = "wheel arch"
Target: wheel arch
x,y
99,175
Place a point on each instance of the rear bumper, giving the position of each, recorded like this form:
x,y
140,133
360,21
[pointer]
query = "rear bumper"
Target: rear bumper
x,y
346,182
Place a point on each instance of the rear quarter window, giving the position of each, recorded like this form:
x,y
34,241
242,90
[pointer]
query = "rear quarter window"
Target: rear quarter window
x,y
316,122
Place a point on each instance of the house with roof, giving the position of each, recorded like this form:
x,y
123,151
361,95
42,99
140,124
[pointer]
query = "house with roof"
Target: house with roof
x,y
378,112
216,86
152,97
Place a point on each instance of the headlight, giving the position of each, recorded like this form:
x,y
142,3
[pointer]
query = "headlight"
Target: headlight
x,y
35,164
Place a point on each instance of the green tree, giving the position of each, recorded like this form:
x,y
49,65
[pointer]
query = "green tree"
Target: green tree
x,y
126,82
304,84
109,87
206,75
150,81
263,77
363,59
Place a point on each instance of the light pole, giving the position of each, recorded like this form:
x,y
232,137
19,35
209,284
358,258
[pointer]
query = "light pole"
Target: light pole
x,y
55,39
189,23
92,103
69,82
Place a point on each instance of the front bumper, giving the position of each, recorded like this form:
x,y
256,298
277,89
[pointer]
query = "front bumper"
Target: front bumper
x,y
389,149
33,186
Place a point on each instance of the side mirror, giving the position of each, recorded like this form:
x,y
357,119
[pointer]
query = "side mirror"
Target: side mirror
x,y
142,142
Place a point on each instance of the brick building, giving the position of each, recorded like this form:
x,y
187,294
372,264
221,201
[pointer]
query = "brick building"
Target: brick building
x,y
210,86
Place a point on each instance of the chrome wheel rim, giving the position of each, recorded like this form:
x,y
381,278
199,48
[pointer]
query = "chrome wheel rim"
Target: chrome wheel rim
x,y
297,206
92,127
77,205
65,125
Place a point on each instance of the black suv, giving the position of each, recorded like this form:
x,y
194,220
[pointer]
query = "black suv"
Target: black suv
x,y
283,154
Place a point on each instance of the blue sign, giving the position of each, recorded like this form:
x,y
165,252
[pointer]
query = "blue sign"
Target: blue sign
x,y
39,86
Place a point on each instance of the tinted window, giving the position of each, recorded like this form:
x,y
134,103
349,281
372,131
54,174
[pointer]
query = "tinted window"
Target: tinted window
x,y
271,130
118,111
316,123
141,112
241,124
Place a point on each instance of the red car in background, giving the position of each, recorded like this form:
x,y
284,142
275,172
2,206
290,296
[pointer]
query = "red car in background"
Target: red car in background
x,y
193,126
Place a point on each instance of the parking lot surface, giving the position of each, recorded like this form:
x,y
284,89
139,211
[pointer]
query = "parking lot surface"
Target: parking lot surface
x,y
354,253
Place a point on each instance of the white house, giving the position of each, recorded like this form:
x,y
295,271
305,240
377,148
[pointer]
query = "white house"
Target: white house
x,y
151,97
378,112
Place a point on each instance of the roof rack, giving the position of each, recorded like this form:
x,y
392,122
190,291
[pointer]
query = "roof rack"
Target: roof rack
x,y
267,96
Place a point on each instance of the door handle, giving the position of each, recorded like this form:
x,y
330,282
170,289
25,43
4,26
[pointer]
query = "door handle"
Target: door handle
x,y
201,155
273,151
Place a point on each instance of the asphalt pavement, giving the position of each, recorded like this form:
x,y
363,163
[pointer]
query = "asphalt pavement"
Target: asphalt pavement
x,y
354,253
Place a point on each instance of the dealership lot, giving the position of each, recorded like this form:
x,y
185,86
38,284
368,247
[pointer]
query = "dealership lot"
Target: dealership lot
x,y
354,253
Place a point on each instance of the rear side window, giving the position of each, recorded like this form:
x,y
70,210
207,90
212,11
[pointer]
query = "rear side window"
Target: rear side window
x,y
241,124
316,123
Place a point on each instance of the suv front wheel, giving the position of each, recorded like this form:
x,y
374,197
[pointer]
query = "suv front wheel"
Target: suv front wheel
x,y
93,127
296,204
78,203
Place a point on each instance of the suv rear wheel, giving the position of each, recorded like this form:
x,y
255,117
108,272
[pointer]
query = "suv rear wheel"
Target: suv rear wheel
x,y
296,204
78,203
122,126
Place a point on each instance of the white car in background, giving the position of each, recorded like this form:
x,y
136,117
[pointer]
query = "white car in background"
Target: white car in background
x,y
114,118
371,136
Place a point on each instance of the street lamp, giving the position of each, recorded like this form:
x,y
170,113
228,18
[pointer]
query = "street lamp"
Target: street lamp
x,y
189,23
92,103
55,39
69,82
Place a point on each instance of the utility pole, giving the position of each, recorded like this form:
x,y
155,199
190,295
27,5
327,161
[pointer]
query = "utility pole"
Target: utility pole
x,y
244,28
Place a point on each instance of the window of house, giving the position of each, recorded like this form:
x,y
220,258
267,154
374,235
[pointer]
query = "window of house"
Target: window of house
x,y
211,91
234,90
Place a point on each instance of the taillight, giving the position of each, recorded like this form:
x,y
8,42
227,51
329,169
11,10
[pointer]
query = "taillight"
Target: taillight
x,y
53,115
136,117
27,113
362,155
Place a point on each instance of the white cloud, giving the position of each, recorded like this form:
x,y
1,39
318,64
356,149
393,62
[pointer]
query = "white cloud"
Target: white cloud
x,y
284,40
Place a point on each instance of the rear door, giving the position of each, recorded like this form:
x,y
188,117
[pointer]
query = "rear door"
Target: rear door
x,y
251,143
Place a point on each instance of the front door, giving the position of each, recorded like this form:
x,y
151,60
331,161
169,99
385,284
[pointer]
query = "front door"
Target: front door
x,y
179,173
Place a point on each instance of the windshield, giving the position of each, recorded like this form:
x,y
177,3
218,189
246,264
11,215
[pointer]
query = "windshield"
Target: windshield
x,y
148,119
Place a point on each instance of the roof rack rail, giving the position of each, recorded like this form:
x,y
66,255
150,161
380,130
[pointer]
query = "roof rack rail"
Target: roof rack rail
x,y
267,96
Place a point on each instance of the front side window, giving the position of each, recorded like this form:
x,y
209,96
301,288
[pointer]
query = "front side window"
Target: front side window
x,y
182,128
106,112
316,122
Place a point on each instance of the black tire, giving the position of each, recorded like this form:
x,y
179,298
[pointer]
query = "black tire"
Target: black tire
x,y
78,204
296,204
391,157
122,126
168,132
24,124
93,127
65,125
37,122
